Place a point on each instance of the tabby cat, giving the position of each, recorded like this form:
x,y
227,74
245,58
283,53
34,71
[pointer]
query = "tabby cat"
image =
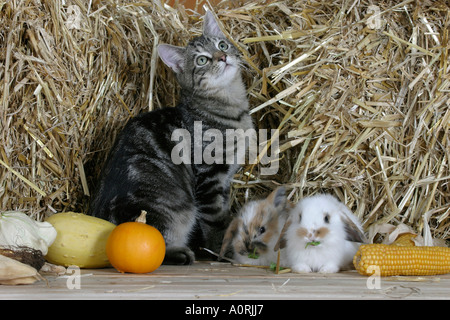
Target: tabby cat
x,y
187,202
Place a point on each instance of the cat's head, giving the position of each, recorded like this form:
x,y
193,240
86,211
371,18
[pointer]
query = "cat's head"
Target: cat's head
x,y
208,62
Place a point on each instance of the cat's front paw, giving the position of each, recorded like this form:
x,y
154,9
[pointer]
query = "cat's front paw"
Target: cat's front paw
x,y
179,256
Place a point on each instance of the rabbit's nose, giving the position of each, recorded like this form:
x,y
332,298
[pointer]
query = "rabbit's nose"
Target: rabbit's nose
x,y
312,235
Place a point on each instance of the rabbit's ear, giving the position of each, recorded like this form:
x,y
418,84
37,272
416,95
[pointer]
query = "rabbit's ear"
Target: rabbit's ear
x,y
278,199
281,243
230,233
352,229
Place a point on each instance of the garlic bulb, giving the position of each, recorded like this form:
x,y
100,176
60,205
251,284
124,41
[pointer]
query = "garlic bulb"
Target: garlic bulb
x,y
18,229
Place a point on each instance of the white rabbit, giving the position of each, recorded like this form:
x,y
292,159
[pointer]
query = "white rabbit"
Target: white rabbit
x,y
321,235
253,233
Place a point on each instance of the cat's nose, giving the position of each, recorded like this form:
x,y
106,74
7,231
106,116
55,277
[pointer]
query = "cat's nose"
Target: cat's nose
x,y
220,56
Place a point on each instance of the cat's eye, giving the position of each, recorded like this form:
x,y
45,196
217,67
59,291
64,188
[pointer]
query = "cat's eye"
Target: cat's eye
x,y
202,60
223,46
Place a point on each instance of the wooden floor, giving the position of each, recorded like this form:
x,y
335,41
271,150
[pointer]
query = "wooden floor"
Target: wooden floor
x,y
213,281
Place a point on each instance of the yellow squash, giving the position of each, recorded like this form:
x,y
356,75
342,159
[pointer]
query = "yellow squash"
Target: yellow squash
x,y
81,240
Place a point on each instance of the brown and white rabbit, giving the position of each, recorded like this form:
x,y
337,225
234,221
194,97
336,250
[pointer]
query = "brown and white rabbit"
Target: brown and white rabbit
x,y
321,235
256,229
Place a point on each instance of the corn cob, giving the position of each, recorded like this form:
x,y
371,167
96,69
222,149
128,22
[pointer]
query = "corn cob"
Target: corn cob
x,y
393,260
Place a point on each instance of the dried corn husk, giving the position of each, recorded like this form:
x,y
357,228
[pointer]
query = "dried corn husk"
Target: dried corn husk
x,y
13,272
401,234
26,255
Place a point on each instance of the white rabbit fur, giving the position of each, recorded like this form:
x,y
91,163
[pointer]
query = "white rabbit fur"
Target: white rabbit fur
x,y
256,230
325,219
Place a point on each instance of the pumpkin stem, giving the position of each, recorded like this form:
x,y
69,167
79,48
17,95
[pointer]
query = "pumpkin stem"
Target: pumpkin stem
x,y
142,217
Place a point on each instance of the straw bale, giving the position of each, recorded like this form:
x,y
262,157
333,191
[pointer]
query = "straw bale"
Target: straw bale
x,y
359,91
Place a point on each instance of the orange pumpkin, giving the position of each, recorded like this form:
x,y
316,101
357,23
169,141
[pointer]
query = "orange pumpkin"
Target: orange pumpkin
x,y
135,247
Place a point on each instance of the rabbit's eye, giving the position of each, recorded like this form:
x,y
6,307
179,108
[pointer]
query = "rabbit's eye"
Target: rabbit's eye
x,y
262,230
326,218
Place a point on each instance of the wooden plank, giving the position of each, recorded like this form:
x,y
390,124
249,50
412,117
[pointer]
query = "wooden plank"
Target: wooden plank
x,y
212,280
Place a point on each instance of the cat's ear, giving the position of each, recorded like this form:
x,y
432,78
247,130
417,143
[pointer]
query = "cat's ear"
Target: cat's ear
x,y
172,56
210,26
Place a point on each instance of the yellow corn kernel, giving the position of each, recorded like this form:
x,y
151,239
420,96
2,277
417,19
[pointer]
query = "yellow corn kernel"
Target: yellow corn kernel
x,y
405,239
394,260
